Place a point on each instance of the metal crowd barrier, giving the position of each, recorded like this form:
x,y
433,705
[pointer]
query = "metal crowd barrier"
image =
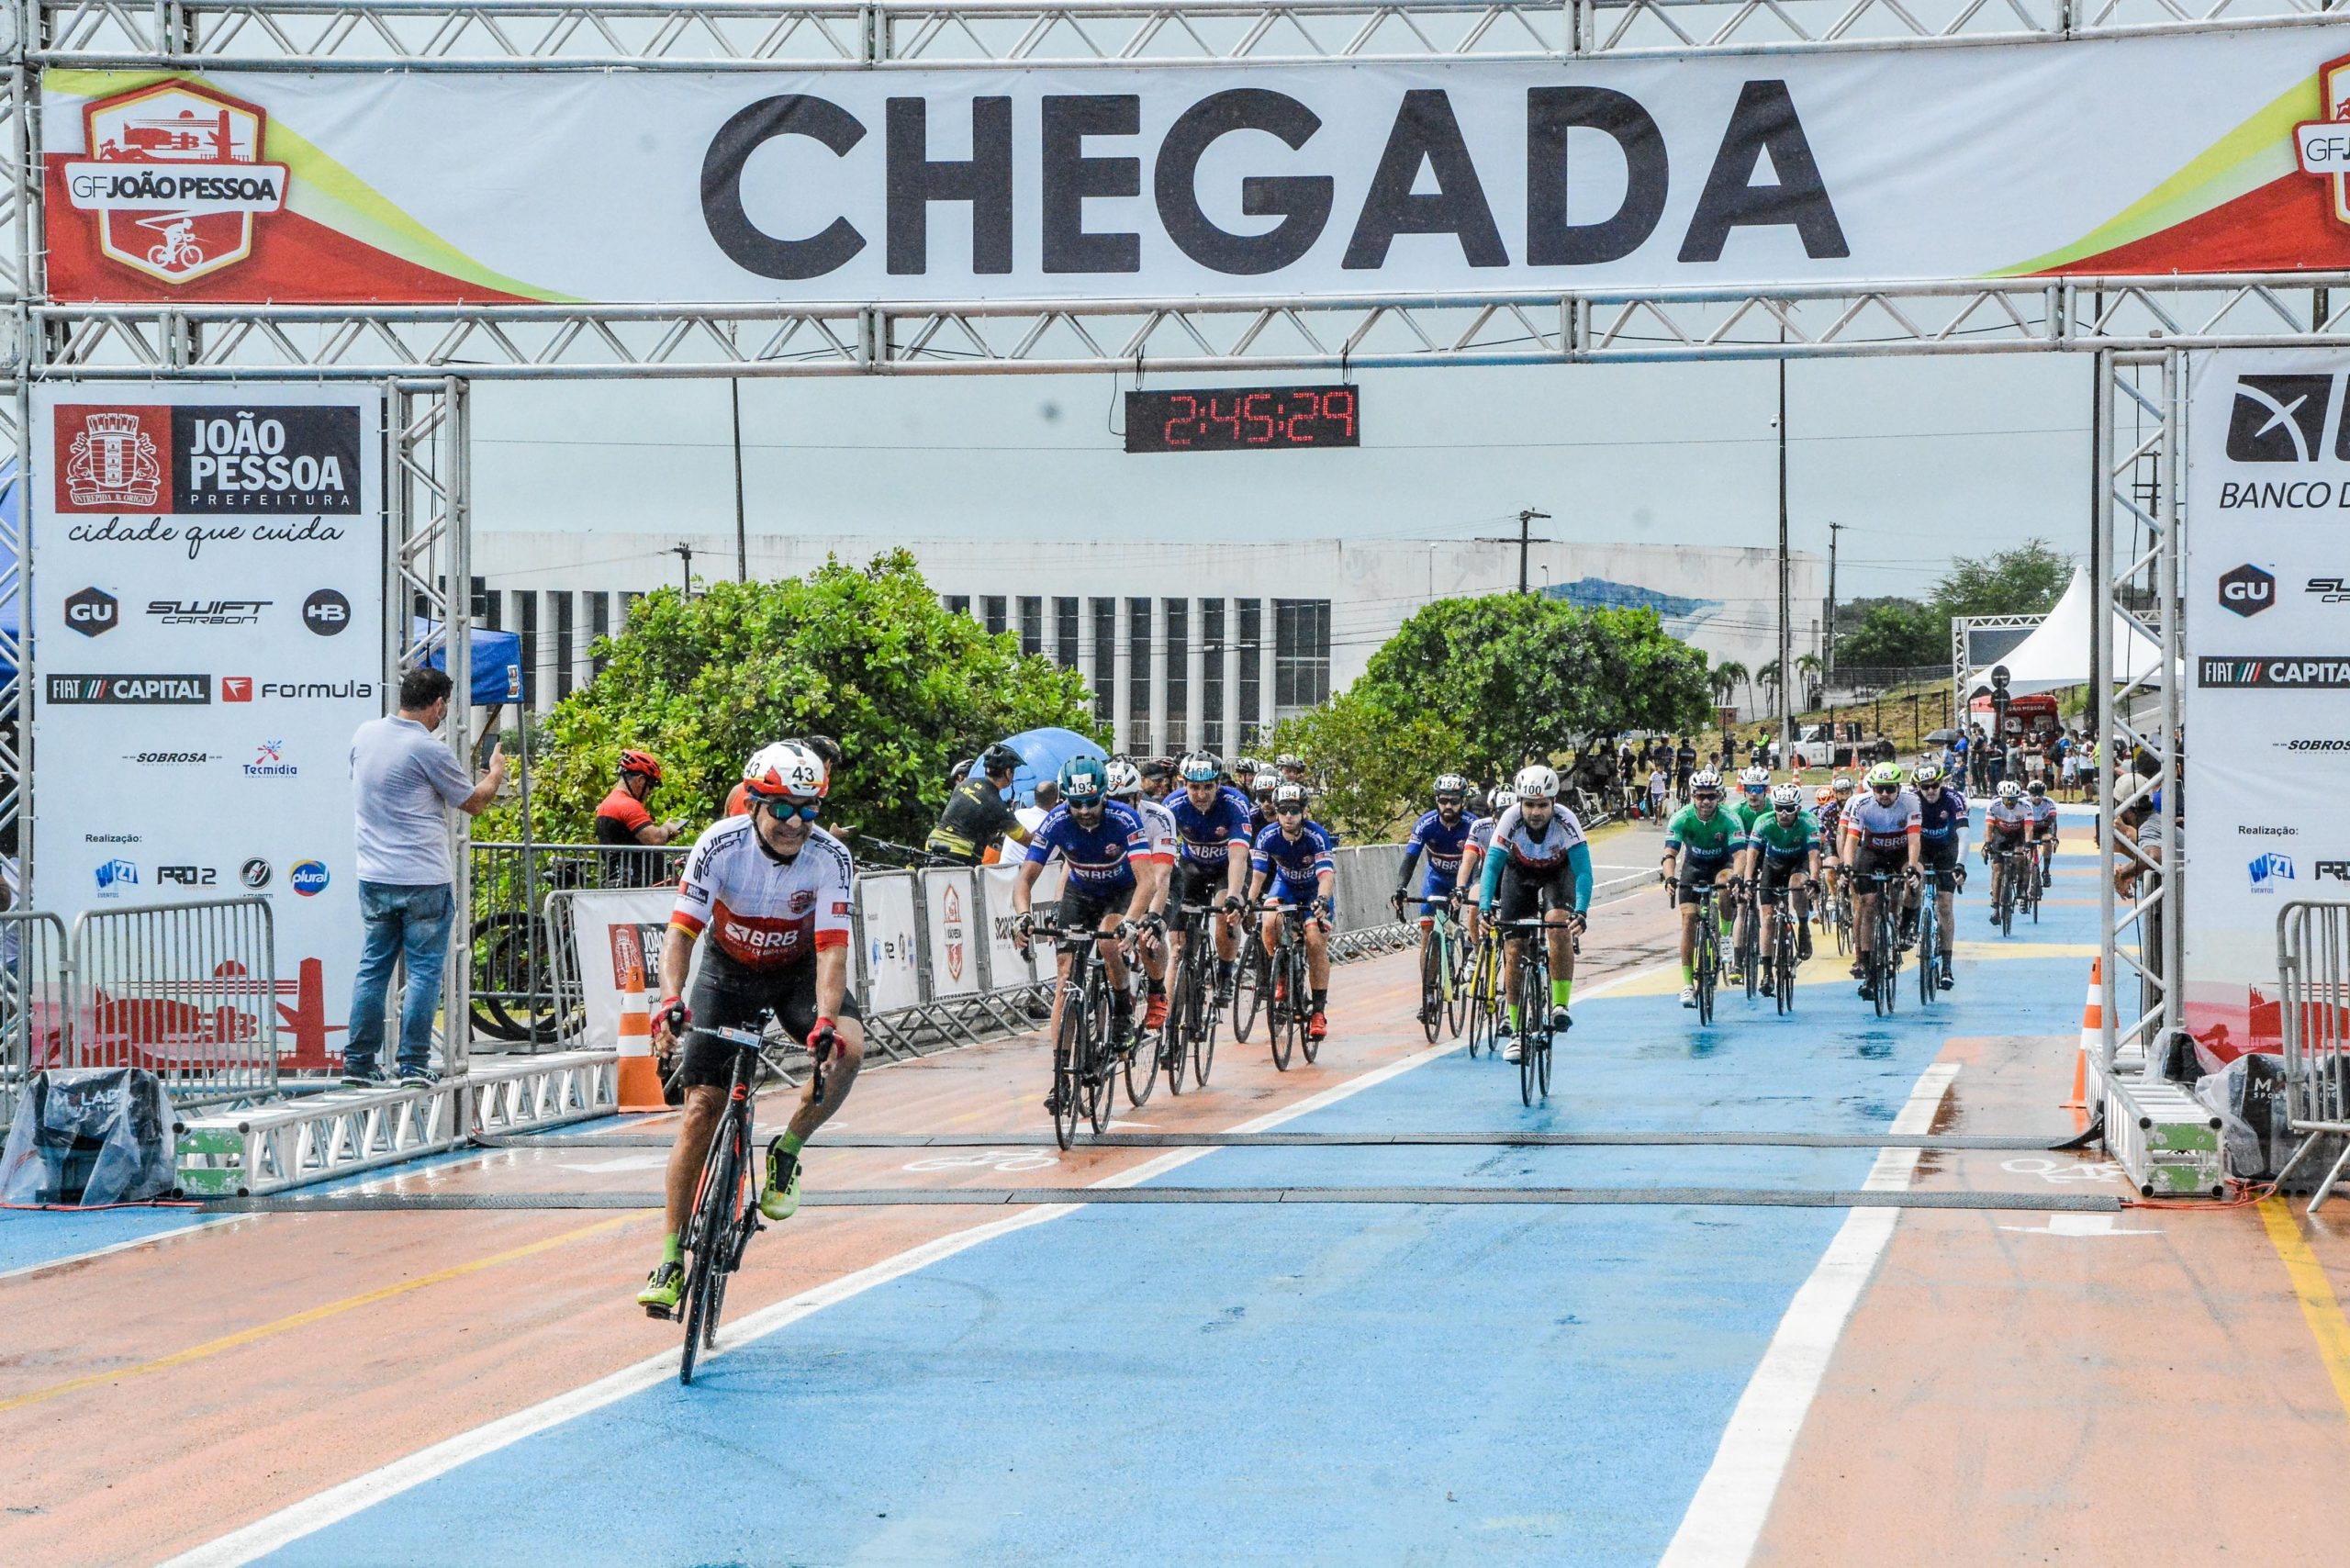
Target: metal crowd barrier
x,y
2313,965
513,955
36,1001
188,991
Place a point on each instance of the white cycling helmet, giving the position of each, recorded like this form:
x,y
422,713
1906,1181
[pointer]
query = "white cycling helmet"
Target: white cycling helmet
x,y
2011,791
1126,780
1263,783
1704,779
785,771
1498,800
1786,798
1536,782
1754,779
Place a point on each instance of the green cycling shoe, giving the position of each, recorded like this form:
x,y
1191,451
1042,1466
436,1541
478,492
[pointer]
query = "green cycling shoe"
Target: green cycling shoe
x,y
662,1288
779,1198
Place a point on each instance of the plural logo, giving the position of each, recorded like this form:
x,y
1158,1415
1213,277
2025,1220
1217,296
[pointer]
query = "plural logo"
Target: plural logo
x,y
112,458
2247,589
2324,145
308,878
172,174
2269,869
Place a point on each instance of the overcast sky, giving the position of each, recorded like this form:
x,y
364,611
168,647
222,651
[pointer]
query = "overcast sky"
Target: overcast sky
x,y
1924,458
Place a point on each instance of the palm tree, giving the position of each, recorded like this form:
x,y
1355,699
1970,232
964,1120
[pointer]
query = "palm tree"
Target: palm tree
x,y
1808,668
1767,677
1726,678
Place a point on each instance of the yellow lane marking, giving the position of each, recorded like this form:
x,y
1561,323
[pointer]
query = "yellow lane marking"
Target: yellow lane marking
x,y
2319,1308
303,1320
2009,948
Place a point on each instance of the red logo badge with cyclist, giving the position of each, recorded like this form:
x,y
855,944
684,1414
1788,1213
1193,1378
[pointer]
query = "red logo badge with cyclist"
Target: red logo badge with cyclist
x,y
175,176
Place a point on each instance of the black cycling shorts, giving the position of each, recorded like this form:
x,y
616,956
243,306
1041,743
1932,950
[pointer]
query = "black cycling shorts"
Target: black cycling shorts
x,y
1694,873
1086,907
1774,872
1941,854
728,995
1871,860
1196,883
1525,896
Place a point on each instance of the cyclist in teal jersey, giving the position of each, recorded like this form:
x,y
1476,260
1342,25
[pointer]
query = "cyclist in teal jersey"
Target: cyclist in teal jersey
x,y
1700,843
1783,851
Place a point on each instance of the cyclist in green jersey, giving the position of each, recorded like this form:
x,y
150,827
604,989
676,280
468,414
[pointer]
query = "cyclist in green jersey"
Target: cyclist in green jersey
x,y
1753,803
1783,851
1701,842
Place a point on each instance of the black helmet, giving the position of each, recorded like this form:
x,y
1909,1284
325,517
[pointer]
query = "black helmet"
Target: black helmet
x,y
999,758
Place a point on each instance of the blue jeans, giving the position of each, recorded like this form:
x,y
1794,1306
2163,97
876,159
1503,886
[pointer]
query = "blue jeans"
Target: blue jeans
x,y
413,924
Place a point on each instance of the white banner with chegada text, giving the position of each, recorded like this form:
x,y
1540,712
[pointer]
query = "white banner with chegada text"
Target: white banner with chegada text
x,y
2215,152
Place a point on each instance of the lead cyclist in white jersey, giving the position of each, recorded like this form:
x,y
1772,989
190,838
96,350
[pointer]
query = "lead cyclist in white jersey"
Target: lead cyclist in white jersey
x,y
768,895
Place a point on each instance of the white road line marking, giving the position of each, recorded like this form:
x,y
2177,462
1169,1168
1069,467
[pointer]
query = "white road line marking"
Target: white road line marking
x,y
135,1241
336,1504
1726,1516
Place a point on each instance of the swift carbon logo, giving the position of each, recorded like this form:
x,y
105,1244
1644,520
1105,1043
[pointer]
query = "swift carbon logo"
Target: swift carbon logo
x,y
172,175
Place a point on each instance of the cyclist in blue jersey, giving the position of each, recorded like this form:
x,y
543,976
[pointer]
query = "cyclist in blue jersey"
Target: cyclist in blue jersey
x,y
1941,844
1211,858
1539,864
1291,863
1101,843
1443,834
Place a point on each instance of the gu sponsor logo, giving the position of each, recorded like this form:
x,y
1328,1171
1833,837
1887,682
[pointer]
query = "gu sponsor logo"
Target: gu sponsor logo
x,y
173,179
2247,590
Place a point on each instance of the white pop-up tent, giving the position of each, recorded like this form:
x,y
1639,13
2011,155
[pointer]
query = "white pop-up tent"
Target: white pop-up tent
x,y
2056,654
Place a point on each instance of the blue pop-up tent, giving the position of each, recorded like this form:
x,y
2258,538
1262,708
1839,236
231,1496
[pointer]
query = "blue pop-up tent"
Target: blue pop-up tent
x,y
497,662
1042,752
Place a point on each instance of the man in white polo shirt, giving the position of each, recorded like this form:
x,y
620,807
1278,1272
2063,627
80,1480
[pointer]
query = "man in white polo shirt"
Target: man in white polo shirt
x,y
402,781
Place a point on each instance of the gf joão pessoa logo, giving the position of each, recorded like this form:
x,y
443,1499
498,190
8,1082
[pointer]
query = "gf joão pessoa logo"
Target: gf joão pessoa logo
x,y
173,175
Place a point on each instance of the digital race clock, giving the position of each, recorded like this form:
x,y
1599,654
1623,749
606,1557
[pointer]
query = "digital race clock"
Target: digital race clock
x,y
1243,419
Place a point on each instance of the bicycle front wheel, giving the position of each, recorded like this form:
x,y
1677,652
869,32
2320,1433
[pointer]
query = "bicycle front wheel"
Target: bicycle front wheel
x,y
1533,1003
1281,1012
1100,1074
1456,982
1431,985
709,1242
1247,989
1068,1057
1303,1011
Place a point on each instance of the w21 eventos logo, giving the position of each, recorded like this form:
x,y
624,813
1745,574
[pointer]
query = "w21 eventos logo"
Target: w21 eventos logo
x,y
222,460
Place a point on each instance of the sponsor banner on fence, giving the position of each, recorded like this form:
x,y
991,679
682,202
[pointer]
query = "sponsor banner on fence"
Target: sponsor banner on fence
x,y
2208,151
2267,589
207,631
612,932
1007,966
886,912
952,924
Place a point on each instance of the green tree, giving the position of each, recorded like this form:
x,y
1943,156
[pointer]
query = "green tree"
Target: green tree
x,y
1767,677
1808,671
1895,632
1725,678
865,655
1483,685
2026,580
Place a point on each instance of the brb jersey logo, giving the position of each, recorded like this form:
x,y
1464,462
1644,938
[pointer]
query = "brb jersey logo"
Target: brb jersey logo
x,y
173,174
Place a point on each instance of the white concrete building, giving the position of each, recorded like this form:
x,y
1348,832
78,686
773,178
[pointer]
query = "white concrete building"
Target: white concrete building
x,y
1184,645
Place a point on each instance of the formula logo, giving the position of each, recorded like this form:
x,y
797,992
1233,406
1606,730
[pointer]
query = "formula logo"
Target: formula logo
x,y
172,174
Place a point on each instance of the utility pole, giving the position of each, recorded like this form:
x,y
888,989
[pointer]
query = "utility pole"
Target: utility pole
x,y
1833,530
1525,541
742,538
1786,583
686,554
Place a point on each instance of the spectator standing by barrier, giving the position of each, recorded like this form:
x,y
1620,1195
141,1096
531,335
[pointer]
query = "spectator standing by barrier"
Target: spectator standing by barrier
x,y
979,813
402,782
623,820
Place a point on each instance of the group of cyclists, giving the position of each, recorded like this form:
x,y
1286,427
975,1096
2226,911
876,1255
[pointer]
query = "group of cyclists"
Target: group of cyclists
x,y
1153,851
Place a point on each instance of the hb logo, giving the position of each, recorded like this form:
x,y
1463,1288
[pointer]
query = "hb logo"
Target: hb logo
x,y
92,612
326,613
2280,418
2247,590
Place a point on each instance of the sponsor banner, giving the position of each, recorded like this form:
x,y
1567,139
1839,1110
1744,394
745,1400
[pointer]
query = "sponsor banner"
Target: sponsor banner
x,y
2220,151
194,712
886,914
951,921
610,930
1007,966
2267,642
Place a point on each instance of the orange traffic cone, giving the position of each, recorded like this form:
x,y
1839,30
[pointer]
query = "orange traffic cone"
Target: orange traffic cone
x,y
640,1078
2092,1035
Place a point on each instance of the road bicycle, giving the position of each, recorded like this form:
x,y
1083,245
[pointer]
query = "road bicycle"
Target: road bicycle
x,y
1932,965
1836,914
1141,1066
1289,999
1193,1015
1884,940
1706,953
2036,887
725,1214
1533,1007
1746,940
1085,1055
1779,898
2007,870
1443,997
1482,992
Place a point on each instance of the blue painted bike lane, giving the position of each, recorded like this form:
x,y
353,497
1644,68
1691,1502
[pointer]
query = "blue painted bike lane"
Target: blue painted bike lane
x,y
1329,1383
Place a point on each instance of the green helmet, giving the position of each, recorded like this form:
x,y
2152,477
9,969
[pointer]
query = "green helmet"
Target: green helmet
x,y
1885,775
1084,779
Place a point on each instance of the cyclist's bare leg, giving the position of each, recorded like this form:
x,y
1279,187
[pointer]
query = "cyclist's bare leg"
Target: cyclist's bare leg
x,y
841,1065
704,1103
1688,934
1113,952
1317,956
1559,939
1270,933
